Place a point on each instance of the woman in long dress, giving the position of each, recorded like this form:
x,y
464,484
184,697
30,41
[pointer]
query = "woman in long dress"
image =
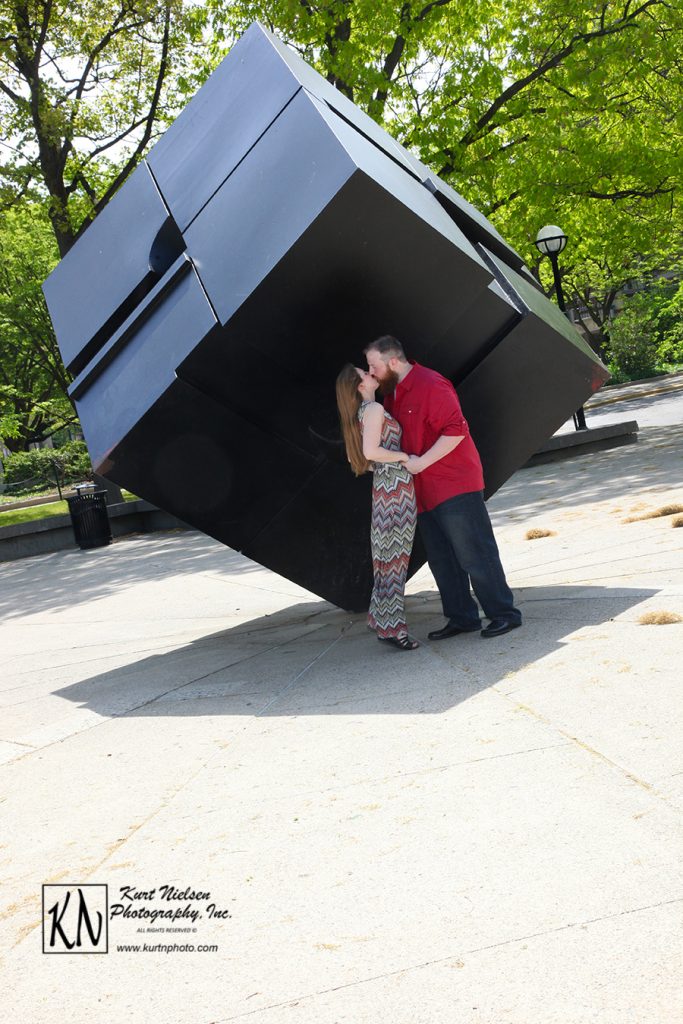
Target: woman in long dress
x,y
373,442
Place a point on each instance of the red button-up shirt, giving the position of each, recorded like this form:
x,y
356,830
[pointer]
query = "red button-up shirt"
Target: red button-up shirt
x,y
427,408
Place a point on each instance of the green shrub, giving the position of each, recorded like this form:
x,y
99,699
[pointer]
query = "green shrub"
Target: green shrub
x,y
670,349
670,323
633,351
26,471
74,460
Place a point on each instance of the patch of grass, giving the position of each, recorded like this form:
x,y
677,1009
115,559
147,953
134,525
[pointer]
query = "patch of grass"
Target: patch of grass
x,y
13,516
677,521
656,513
659,618
536,534
28,515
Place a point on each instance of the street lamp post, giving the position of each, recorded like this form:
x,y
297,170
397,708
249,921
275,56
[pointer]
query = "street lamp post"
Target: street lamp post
x,y
550,241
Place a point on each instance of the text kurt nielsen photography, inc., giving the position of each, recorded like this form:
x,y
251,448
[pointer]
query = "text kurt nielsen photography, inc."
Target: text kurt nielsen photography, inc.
x,y
138,904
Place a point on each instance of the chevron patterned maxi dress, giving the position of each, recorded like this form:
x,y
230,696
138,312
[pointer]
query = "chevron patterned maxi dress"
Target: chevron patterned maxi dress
x,y
392,532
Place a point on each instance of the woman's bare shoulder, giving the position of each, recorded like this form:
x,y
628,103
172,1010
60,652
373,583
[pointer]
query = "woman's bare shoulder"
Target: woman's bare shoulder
x,y
373,409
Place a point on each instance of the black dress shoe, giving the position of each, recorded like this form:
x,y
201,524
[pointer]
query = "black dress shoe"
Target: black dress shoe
x,y
497,627
450,629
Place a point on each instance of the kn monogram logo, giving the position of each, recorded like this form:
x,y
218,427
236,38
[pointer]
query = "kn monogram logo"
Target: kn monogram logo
x,y
75,919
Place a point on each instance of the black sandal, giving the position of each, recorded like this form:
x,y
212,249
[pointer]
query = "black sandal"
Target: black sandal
x,y
401,643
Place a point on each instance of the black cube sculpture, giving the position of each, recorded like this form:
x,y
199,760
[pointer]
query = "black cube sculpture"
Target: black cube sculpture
x,y
270,234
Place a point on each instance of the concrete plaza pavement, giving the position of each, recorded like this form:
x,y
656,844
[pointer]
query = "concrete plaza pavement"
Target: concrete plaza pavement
x,y
477,832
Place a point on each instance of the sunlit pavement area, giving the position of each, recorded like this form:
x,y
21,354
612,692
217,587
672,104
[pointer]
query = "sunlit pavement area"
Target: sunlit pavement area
x,y
479,831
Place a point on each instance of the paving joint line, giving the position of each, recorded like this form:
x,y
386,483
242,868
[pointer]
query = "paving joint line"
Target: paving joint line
x,y
290,1003
609,561
207,675
374,780
300,674
647,786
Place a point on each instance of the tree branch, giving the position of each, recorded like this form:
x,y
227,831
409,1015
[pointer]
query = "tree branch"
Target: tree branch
x,y
149,120
628,193
501,202
80,179
111,142
114,30
406,23
504,148
542,69
430,7
47,14
18,100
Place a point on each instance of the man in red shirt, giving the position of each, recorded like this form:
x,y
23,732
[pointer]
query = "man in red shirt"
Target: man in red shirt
x,y
449,484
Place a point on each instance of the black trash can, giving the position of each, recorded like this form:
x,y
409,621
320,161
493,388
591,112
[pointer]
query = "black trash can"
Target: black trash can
x,y
89,517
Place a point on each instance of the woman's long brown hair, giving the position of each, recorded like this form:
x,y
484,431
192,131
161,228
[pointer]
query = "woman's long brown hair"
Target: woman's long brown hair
x,y
348,403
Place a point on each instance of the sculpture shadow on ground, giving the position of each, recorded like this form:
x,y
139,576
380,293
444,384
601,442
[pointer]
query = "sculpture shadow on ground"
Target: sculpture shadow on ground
x,y
309,659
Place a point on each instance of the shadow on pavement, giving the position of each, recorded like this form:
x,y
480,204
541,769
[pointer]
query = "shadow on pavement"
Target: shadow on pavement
x,y
313,659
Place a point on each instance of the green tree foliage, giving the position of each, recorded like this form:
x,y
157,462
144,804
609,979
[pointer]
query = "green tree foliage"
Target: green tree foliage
x,y
558,111
83,86
33,381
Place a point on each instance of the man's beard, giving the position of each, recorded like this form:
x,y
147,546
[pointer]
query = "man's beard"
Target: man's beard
x,y
387,385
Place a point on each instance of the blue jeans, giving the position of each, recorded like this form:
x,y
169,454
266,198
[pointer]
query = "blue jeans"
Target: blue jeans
x,y
458,538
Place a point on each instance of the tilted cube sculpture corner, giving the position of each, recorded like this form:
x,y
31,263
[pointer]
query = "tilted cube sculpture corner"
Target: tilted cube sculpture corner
x,y
271,233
